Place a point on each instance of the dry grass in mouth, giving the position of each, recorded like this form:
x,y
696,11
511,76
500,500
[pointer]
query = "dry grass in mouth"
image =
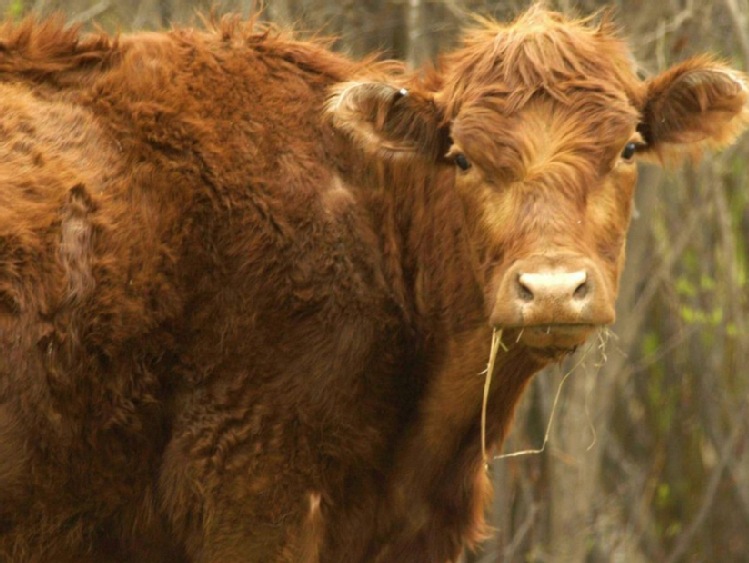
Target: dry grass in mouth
x,y
496,343
599,344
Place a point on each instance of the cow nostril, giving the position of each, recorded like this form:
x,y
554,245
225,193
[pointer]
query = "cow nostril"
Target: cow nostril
x,y
525,292
581,290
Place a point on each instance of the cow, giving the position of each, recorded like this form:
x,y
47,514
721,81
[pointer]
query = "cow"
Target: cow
x,y
249,286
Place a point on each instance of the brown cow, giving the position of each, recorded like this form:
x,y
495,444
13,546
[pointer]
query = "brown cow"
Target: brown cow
x,y
247,286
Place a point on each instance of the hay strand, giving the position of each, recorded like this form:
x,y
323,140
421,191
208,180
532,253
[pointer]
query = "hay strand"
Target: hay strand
x,y
496,343
551,415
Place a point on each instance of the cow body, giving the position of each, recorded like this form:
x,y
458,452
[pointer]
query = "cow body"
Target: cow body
x,y
247,286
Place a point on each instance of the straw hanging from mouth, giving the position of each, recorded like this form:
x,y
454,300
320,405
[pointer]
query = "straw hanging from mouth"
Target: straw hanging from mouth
x,y
496,343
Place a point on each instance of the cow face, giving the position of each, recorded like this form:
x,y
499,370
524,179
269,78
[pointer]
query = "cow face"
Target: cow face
x,y
541,123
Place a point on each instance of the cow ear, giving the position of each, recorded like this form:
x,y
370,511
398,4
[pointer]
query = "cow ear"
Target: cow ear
x,y
387,121
697,104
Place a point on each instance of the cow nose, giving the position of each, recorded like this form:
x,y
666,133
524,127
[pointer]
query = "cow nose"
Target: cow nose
x,y
554,287
544,290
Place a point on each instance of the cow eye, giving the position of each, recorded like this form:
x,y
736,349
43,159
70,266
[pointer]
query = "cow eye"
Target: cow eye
x,y
630,149
461,161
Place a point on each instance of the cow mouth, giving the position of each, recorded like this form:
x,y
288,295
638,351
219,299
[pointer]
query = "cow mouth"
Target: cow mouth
x,y
553,341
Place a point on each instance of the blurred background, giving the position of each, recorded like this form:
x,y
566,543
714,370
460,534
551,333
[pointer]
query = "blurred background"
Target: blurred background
x,y
648,453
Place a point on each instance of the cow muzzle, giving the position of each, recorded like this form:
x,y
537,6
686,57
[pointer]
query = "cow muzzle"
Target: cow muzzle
x,y
556,301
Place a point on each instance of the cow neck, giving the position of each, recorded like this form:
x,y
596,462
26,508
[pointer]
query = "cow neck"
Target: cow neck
x,y
427,261
438,468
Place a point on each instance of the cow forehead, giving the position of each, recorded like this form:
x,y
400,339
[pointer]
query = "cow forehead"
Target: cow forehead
x,y
540,54
546,137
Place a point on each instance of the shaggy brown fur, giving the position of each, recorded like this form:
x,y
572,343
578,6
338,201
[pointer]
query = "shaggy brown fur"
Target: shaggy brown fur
x,y
246,294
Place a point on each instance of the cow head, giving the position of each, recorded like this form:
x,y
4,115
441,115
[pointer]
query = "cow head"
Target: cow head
x,y
541,122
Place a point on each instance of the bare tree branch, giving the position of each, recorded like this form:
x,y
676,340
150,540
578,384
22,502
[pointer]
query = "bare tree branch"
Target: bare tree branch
x,y
89,14
708,498
739,22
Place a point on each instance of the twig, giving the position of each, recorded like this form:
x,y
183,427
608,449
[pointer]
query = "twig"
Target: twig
x,y
664,28
459,12
663,350
519,536
92,12
738,20
709,497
